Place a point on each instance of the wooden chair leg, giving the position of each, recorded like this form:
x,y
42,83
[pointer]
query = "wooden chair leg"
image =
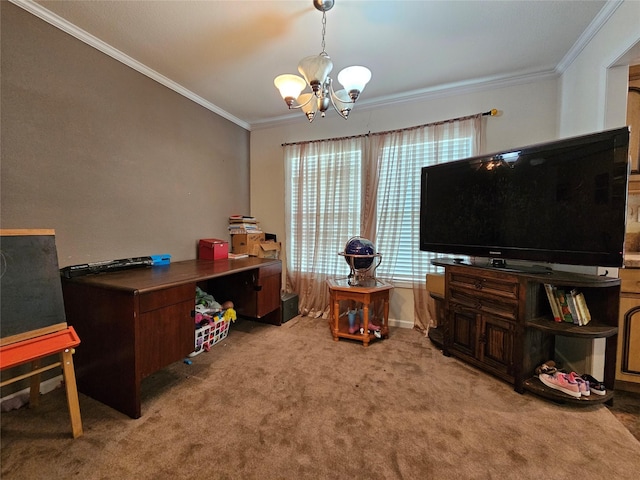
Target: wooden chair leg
x,y
34,390
72,391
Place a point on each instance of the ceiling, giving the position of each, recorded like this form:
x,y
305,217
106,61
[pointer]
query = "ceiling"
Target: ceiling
x,y
225,54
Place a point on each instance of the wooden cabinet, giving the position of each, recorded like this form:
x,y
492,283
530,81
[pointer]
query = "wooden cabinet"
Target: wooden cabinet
x,y
482,314
628,363
501,322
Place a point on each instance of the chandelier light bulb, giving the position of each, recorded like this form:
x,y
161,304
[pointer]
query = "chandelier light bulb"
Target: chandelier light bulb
x,y
290,87
354,79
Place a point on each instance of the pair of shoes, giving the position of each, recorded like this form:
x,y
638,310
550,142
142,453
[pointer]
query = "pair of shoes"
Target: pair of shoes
x,y
596,386
583,384
548,367
561,382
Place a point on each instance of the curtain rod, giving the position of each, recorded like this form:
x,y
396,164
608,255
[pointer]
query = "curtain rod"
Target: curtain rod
x,y
491,113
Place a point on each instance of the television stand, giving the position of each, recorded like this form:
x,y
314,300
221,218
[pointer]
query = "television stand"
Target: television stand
x,y
501,322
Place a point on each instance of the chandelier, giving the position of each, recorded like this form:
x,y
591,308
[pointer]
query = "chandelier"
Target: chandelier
x,y
315,70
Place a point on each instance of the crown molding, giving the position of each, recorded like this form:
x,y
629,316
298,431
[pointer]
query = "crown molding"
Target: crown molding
x,y
594,27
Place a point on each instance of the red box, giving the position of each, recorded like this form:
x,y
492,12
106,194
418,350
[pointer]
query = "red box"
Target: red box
x,y
213,249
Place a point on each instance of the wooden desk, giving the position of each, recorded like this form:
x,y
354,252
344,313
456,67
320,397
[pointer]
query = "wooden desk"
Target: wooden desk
x,y
340,290
136,322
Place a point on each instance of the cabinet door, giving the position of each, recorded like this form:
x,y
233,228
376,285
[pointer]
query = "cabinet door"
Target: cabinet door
x,y
268,298
172,322
629,338
166,329
496,344
463,331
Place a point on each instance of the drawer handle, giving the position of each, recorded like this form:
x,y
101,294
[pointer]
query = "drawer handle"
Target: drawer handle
x,y
478,284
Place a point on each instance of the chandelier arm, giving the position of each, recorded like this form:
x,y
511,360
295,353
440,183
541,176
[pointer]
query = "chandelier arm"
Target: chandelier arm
x,y
333,95
295,106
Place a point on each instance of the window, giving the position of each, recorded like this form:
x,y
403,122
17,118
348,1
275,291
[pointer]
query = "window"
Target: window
x,y
364,186
399,198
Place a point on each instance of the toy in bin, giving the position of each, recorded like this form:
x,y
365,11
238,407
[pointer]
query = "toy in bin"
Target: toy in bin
x,y
212,321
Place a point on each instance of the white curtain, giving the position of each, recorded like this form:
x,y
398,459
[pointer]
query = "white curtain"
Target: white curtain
x,y
323,204
365,186
399,157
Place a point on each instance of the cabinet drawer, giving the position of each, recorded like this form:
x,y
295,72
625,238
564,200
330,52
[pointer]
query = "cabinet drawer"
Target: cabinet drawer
x,y
483,304
506,287
167,296
275,269
630,279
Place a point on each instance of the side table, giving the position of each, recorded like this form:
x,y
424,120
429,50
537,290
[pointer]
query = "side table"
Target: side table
x,y
340,290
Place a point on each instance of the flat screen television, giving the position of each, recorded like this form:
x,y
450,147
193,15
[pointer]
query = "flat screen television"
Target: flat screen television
x,y
559,202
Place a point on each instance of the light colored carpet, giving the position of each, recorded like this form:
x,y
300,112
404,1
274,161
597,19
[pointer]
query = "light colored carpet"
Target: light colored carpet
x,y
290,403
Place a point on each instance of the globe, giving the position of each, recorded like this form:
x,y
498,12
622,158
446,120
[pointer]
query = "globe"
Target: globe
x,y
359,246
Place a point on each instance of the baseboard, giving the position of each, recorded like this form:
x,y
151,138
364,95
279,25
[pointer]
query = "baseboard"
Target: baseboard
x,y
46,386
400,323
627,386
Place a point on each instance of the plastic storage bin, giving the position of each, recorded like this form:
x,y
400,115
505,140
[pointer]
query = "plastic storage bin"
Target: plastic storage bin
x,y
209,335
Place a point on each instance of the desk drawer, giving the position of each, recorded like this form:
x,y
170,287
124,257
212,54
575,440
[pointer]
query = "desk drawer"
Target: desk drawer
x,y
268,270
167,296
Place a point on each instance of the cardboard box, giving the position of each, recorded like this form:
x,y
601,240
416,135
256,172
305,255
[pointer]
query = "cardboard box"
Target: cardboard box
x,y
213,249
244,242
266,250
435,283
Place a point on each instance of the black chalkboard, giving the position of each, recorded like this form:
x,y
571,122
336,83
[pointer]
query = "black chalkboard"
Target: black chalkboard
x,y
30,286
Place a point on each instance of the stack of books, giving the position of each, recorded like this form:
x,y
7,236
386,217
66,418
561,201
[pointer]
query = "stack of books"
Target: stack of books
x,y
568,307
243,224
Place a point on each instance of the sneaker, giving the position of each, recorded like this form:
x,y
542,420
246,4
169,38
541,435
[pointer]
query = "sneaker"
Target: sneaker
x,y
596,386
585,390
548,367
560,381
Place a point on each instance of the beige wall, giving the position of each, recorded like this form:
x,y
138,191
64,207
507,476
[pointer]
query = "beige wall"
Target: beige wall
x,y
117,164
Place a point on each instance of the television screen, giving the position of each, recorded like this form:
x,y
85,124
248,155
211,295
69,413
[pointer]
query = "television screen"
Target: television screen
x,y
557,202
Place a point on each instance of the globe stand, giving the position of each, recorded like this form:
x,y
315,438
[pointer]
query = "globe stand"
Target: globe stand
x,y
362,277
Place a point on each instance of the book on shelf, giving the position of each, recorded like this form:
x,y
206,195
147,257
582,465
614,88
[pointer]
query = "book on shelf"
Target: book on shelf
x,y
553,302
238,255
568,307
581,303
573,307
564,305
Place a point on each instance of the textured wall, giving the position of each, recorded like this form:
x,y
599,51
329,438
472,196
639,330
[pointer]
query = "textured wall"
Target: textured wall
x,y
116,163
